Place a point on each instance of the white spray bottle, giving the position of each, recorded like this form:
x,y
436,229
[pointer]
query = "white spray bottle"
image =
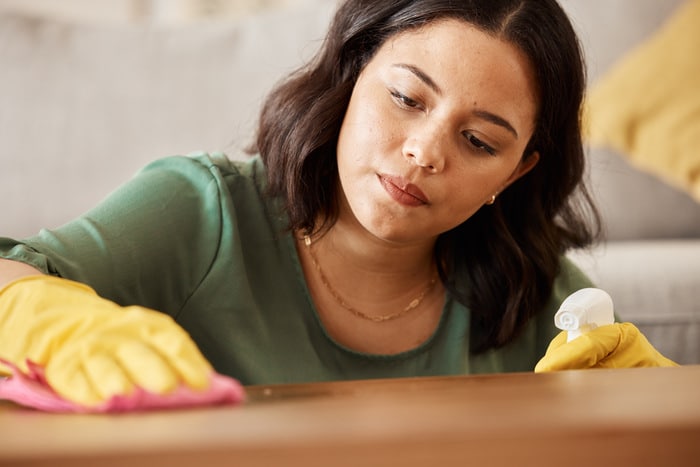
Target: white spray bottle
x,y
583,311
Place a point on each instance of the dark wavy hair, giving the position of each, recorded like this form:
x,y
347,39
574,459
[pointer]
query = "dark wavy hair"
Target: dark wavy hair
x,y
501,263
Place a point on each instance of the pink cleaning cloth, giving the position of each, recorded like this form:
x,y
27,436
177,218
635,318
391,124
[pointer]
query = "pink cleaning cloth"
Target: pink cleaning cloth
x,y
32,390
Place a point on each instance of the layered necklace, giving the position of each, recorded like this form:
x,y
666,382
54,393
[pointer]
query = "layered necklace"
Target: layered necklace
x,y
413,304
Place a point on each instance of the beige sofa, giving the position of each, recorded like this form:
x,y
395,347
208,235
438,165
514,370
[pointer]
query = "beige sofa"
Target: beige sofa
x,y
84,106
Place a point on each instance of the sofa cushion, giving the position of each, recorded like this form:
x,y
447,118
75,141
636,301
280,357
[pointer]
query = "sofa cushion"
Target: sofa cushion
x,y
86,105
634,203
648,106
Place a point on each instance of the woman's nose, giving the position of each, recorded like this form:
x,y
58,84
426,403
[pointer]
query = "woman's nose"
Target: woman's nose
x,y
425,148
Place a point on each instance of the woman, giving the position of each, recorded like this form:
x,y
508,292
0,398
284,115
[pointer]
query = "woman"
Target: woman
x,y
416,188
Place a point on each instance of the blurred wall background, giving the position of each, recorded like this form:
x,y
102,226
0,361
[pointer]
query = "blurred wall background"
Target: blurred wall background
x,y
154,11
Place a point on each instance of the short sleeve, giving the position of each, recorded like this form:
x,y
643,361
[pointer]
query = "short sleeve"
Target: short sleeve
x,y
150,242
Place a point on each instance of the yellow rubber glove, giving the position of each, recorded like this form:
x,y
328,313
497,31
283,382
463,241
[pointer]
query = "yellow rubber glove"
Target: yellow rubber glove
x,y
618,345
91,348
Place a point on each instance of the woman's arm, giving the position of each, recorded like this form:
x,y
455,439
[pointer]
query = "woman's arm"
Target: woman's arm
x,y
11,270
149,243
89,348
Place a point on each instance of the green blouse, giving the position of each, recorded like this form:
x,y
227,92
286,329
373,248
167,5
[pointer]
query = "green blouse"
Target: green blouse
x,y
195,237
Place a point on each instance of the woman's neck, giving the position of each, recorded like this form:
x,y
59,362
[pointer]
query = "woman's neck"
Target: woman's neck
x,y
372,296
374,272
345,252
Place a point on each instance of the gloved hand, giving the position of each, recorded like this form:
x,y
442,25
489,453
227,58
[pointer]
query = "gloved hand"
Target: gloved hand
x,y
91,348
618,345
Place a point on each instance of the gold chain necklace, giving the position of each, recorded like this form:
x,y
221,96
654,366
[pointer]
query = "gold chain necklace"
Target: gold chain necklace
x,y
377,319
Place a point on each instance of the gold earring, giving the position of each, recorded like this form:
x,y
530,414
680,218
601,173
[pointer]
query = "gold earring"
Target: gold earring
x,y
492,200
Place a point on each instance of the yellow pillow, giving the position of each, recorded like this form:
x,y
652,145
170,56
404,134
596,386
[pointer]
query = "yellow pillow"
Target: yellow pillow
x,y
648,105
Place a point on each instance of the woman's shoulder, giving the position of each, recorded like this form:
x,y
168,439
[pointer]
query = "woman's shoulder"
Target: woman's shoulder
x,y
571,276
210,165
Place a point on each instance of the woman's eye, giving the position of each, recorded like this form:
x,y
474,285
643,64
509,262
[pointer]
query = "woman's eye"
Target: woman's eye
x,y
404,100
480,145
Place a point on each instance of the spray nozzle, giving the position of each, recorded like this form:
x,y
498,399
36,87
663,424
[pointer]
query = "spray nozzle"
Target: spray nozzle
x,y
583,311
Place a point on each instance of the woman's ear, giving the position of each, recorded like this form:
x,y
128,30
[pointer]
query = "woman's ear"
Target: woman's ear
x,y
526,164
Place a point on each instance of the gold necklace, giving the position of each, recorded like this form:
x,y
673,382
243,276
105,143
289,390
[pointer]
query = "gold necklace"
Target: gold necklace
x,y
377,319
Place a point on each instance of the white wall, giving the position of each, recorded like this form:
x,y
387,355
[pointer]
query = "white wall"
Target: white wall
x,y
156,11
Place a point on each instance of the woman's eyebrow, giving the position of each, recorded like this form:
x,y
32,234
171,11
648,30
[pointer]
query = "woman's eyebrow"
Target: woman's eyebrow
x,y
483,114
421,75
496,120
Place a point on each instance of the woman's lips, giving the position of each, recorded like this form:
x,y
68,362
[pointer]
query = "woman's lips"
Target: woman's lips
x,y
403,192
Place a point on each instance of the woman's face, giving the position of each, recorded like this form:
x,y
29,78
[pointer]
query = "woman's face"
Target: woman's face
x,y
437,124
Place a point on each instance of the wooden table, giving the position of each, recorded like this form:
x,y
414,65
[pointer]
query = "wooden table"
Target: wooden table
x,y
634,417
